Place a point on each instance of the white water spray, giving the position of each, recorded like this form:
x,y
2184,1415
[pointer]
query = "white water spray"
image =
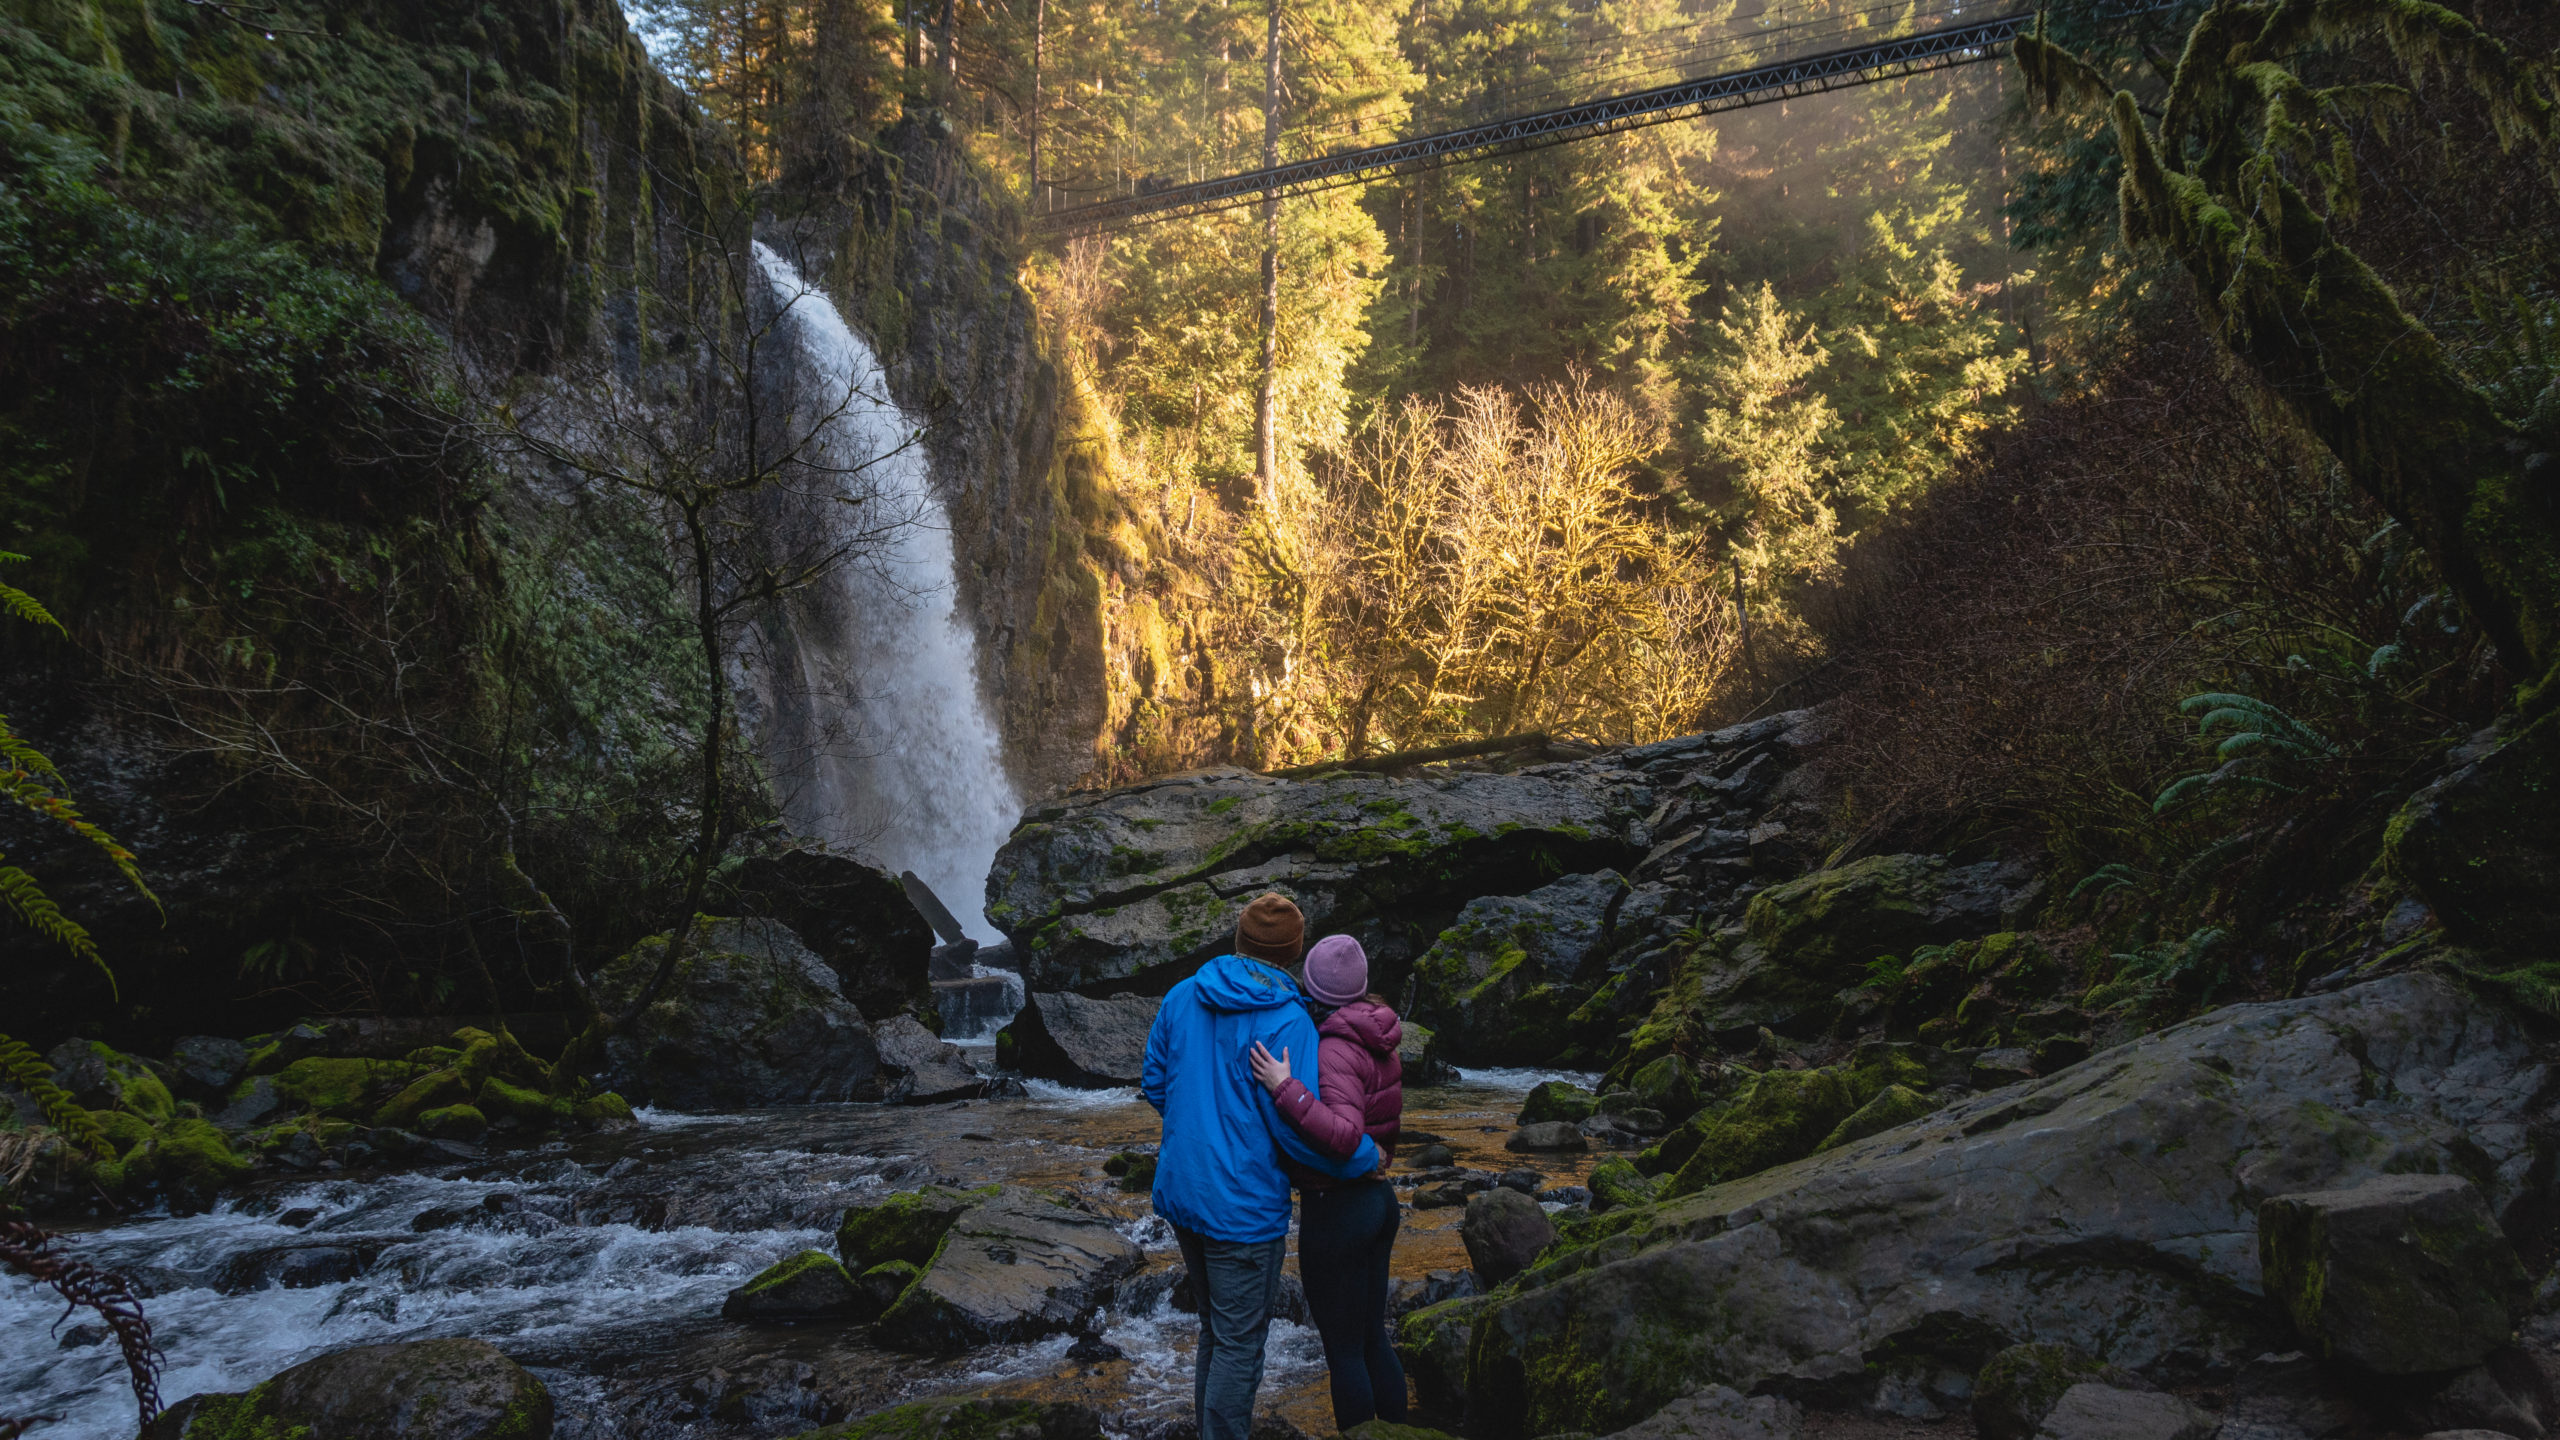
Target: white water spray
x,y
881,736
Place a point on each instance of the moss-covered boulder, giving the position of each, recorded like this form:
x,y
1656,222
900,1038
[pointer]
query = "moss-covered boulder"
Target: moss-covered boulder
x,y
102,1077
809,1286
882,1284
967,1417
413,1390
433,1090
462,1123
1145,883
2401,1274
1893,1105
342,1089
2482,848
1433,1343
2018,1387
1783,1116
1014,1268
1558,1100
1500,985
1616,1183
1669,1084
751,1017
904,1227
187,1159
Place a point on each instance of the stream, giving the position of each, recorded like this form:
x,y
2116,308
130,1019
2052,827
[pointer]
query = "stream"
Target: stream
x,y
600,1263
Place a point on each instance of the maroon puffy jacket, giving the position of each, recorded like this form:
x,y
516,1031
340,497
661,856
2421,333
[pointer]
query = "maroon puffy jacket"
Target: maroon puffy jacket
x,y
1363,1084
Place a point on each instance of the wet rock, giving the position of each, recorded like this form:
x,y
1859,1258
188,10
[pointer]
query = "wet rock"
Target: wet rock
x,y
1783,1115
341,1089
1499,985
81,1337
1423,1064
102,1077
303,1265
1893,1105
1669,1085
2003,1066
751,1017
807,1286
923,1069
270,1053
2091,1411
205,1067
1148,881
2284,1397
1431,1157
1406,1295
1014,1268
969,1417
2021,1215
1720,1413
972,1006
415,1390
2400,1274
1067,1037
1505,1231
1624,1127
882,1284
1551,1136
1557,1100
1094,1350
2020,1386
1135,1171
854,918
906,1226
1524,1181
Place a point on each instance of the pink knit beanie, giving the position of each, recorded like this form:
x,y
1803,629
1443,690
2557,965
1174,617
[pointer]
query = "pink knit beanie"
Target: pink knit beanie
x,y
1337,970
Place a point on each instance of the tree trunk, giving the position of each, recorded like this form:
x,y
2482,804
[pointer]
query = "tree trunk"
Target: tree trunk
x,y
1266,437
946,58
1039,45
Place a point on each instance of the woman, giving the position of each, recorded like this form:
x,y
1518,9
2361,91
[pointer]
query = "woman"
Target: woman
x,y
1346,1228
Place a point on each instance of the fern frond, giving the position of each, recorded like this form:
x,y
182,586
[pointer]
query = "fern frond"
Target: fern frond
x,y
23,605
23,1067
36,910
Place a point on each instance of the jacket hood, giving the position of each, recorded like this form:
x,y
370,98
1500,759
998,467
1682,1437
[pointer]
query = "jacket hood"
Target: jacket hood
x,y
1233,982
1364,1022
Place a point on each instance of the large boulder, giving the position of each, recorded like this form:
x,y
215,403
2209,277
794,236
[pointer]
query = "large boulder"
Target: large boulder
x,y
921,1068
1143,884
205,1067
413,1390
2092,1411
2401,1274
855,918
1061,1035
751,1017
804,1287
1501,985
907,1226
2112,1207
1016,1267
1504,1232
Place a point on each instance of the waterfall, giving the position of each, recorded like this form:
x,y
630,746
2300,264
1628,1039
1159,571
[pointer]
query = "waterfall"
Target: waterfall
x,y
871,716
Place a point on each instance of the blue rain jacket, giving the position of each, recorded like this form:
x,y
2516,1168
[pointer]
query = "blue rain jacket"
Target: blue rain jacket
x,y
1219,1174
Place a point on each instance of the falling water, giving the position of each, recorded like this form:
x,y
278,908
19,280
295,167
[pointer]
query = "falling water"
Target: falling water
x,y
873,714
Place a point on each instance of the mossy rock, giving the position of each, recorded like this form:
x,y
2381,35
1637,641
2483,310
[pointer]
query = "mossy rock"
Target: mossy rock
x,y
1433,1342
464,1123
529,1108
344,1089
1893,1105
882,1284
907,1226
1558,1100
431,1091
1135,1172
188,1158
103,1078
603,1110
486,1056
418,1389
1783,1117
1669,1084
2017,1388
970,1418
1615,1184
808,1286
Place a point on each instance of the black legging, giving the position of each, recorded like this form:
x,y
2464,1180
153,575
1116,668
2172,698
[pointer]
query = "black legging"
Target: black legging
x,y
1344,1238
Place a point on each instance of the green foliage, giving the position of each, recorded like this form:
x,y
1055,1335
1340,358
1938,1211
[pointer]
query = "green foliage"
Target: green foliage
x,y
24,1068
2189,968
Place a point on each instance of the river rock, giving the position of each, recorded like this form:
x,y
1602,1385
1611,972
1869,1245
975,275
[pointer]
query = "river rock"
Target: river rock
x,y
1499,985
1068,1037
413,1390
101,1077
1433,1343
751,1017
904,1227
2112,1207
2508,1393
1547,1135
807,1286
205,1067
1505,1231
1014,1268
2021,1385
1423,1063
1145,883
853,917
1557,1100
922,1068
2091,1411
2400,1274
2285,1397
1720,1413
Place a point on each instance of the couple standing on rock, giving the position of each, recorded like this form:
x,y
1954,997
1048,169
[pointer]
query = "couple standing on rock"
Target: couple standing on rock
x,y
1239,1129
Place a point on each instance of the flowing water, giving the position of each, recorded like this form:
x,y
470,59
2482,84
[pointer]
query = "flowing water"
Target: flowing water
x,y
873,716
601,1264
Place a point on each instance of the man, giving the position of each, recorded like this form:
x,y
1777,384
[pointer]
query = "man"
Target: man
x,y
1218,1178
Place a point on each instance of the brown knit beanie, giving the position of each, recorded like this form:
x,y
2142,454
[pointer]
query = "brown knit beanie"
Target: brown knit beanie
x,y
1271,929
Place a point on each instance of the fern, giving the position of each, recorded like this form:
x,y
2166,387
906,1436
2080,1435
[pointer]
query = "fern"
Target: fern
x,y
23,605
2263,738
27,1070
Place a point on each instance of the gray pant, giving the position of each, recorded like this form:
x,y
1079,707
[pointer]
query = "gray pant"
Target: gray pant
x,y
1236,1282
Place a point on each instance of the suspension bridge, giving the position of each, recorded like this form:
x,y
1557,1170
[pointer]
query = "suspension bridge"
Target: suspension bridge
x,y
1938,48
